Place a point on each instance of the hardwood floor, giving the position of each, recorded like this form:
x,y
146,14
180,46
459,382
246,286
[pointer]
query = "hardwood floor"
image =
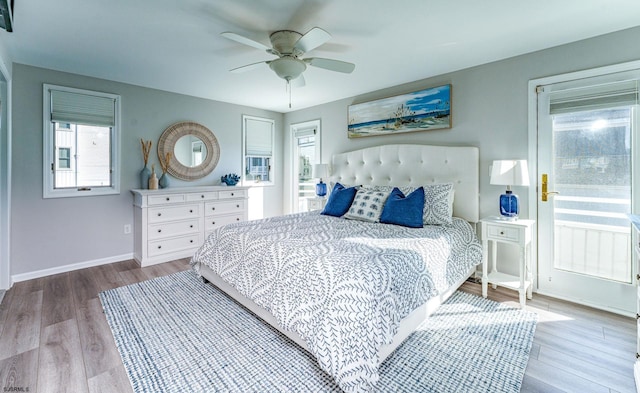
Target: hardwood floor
x,y
54,337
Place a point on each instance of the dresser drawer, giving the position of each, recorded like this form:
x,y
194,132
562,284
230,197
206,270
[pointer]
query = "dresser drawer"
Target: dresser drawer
x,y
497,232
226,207
165,199
202,196
165,246
213,222
232,194
172,228
171,213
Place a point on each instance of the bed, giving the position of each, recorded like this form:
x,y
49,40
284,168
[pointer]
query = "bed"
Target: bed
x,y
350,292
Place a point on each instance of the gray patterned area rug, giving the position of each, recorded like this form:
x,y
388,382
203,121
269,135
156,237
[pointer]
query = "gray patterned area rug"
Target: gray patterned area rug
x,y
177,334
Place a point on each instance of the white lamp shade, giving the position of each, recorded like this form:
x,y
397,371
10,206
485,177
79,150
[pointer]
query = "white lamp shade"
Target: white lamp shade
x,y
320,170
510,173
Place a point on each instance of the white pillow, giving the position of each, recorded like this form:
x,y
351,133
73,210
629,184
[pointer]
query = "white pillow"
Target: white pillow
x,y
367,205
438,204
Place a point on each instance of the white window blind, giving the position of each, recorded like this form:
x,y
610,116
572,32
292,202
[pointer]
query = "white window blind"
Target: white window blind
x,y
305,132
603,96
259,138
71,107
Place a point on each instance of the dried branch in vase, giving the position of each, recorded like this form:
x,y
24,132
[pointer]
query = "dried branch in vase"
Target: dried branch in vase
x,y
146,149
165,165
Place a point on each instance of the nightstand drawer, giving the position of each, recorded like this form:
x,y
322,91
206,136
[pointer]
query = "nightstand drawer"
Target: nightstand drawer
x,y
497,232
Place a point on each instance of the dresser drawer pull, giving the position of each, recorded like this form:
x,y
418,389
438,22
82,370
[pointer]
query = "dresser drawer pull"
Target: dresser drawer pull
x,y
159,230
502,232
232,194
191,211
213,208
159,214
238,206
168,198
159,247
190,241
237,219
213,223
190,226
201,196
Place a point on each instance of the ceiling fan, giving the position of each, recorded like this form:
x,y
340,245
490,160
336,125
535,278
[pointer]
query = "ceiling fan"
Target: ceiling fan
x,y
290,46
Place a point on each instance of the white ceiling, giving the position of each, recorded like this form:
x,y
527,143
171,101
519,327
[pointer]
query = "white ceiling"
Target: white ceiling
x,y
175,45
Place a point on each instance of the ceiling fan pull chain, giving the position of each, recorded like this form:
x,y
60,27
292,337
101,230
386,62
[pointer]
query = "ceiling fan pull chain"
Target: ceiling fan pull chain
x,y
289,88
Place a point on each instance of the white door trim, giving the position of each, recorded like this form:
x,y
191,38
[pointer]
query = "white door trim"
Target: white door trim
x,y
5,187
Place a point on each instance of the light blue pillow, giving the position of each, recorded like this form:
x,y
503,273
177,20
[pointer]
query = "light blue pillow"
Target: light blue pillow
x,y
339,201
405,211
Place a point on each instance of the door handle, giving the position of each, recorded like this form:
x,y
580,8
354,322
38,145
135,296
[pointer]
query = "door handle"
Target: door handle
x,y
545,193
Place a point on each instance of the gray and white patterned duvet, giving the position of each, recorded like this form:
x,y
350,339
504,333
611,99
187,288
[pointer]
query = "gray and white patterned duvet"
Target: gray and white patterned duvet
x,y
342,285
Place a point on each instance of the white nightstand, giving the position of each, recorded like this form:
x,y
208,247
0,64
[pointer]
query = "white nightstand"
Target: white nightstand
x,y
316,203
519,233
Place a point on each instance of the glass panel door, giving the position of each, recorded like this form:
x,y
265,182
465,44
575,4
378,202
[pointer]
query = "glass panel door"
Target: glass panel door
x,y
305,153
584,241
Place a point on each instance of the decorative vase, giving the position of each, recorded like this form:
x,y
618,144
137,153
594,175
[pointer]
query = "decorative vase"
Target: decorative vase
x,y
144,177
321,189
163,182
153,179
509,205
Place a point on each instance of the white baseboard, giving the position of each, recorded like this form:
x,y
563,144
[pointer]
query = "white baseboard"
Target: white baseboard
x,y
598,306
68,268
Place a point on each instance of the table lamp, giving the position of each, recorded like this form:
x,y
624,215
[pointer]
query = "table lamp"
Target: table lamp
x,y
509,173
320,171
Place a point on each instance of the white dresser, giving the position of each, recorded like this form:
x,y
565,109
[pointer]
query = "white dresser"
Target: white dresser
x,y
172,223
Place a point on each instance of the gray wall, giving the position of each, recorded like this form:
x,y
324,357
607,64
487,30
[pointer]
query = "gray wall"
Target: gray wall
x,y
489,110
49,233
489,107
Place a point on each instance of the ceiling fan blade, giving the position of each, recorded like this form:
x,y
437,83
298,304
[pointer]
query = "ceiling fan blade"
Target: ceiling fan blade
x,y
313,39
298,82
244,40
330,64
248,67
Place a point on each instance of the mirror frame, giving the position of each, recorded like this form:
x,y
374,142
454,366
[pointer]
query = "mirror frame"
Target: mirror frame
x,y
167,143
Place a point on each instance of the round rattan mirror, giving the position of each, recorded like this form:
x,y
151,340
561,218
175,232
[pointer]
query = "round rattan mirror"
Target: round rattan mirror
x,y
194,150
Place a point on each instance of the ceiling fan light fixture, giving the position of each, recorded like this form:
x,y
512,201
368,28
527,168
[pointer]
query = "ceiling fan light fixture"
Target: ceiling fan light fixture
x,y
287,67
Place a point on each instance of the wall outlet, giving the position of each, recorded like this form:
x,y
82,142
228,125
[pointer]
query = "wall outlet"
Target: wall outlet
x,y
127,229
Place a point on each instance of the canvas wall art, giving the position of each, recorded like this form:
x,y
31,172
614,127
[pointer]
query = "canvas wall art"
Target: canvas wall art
x,y
428,109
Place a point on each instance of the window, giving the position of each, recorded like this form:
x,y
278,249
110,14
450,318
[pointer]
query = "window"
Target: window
x,y
64,158
257,162
81,142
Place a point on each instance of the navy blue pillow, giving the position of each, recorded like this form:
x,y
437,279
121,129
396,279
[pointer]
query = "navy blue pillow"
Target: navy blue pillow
x,y
405,211
339,201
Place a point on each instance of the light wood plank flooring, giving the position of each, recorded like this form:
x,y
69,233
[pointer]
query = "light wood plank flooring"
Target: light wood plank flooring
x,y
55,338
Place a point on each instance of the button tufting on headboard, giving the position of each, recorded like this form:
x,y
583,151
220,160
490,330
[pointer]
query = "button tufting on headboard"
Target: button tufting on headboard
x,y
403,165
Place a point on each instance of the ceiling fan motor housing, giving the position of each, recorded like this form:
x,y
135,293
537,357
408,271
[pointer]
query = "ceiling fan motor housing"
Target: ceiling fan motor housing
x,y
283,41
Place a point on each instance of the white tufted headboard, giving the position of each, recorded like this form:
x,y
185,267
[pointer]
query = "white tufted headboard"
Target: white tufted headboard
x,y
415,165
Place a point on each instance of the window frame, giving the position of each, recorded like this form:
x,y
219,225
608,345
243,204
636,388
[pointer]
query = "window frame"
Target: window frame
x,y
258,183
50,165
